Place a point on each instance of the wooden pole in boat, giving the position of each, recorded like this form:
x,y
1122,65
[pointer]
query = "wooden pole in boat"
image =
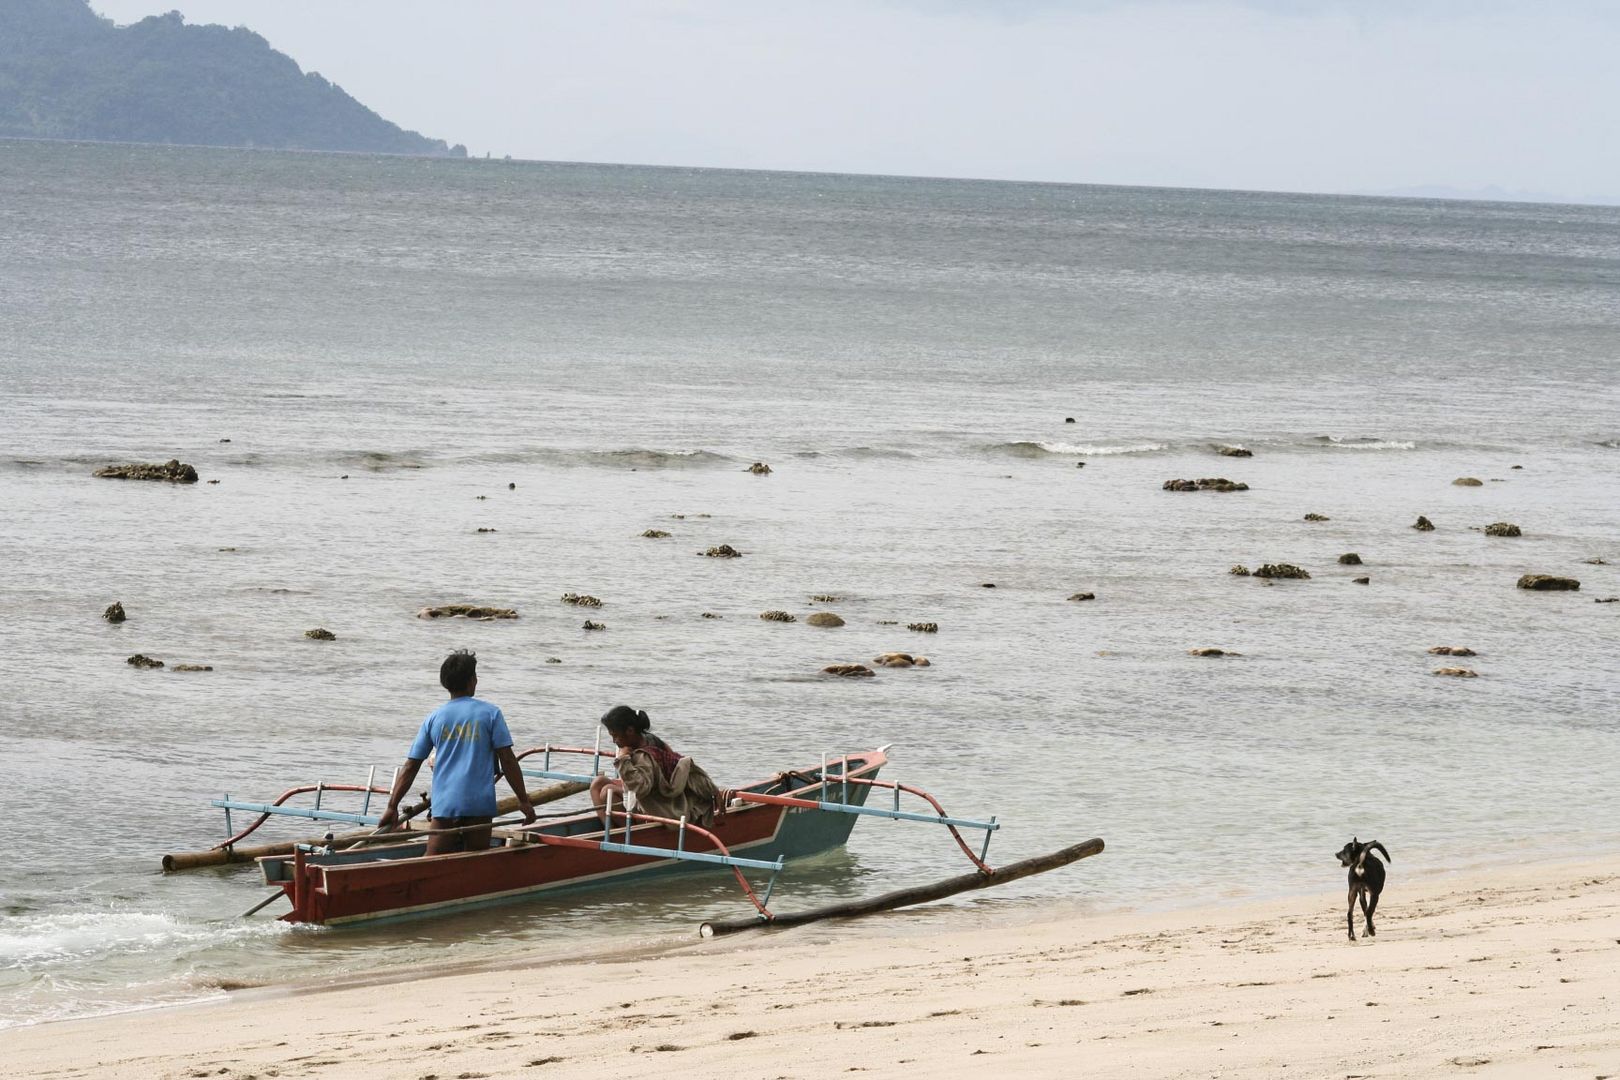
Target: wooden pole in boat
x,y
920,894
187,860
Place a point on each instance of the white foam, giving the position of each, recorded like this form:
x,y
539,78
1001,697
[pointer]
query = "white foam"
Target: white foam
x,y
1101,451
1370,444
32,941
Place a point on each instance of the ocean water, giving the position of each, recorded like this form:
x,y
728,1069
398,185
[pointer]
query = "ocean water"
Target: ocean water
x,y
388,344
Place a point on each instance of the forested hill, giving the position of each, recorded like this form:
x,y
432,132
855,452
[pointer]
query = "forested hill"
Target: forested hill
x,y
67,73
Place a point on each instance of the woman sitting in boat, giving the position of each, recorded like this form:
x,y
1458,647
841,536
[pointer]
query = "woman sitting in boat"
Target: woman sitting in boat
x,y
665,784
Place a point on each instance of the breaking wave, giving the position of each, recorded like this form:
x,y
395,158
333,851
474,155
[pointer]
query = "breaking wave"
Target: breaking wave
x,y
33,942
1042,449
1364,443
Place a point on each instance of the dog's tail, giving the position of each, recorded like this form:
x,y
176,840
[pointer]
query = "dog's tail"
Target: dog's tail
x,y
1375,844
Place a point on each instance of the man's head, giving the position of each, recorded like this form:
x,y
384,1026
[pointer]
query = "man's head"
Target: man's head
x,y
459,673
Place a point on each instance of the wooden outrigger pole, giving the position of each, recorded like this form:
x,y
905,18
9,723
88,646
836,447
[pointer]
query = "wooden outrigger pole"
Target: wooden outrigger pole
x,y
920,894
231,852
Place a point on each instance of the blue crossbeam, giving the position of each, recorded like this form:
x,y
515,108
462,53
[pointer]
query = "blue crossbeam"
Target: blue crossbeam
x,y
553,774
906,815
294,811
692,856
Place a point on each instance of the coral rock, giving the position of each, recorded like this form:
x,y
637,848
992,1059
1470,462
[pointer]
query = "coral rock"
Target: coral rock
x,y
656,534
192,667
1083,596
1349,558
924,627
1317,517
172,471
140,660
1361,581
1423,524
712,615
592,625
849,671
1457,672
778,616
1503,528
320,633
1282,570
114,612
1211,652
1451,650
1239,570
1234,451
724,551
895,660
580,600
759,468
553,659
825,598
1548,583
483,529
466,611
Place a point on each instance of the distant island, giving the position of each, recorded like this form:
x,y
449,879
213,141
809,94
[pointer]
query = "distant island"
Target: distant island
x,y
68,73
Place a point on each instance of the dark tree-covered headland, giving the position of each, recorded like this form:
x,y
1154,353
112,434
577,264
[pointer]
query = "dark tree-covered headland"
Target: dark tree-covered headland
x,y
68,73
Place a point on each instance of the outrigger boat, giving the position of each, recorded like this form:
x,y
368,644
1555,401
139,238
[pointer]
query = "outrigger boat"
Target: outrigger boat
x,y
390,876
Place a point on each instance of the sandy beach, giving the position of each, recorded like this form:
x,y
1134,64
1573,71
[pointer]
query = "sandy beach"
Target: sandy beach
x,y
1501,973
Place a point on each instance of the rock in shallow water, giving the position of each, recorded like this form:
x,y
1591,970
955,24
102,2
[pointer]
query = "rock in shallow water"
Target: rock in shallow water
x,y
1207,483
466,611
1361,581
778,616
172,471
1457,672
1317,517
724,551
320,633
1502,528
114,612
656,534
1349,558
1548,583
589,625
1468,481
848,671
1239,570
825,618
141,660
1211,652
924,627
759,468
1083,596
1234,451
1282,570
1423,524
1451,650
192,667
580,600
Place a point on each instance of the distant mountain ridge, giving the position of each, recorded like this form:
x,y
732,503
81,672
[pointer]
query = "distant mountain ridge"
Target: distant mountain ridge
x,y
68,73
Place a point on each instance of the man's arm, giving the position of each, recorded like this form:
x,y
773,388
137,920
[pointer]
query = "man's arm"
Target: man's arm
x,y
402,784
514,779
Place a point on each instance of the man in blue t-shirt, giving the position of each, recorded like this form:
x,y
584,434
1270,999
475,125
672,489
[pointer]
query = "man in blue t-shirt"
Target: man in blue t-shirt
x,y
468,739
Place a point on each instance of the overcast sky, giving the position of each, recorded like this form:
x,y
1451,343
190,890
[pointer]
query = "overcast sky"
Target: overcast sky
x,y
1302,95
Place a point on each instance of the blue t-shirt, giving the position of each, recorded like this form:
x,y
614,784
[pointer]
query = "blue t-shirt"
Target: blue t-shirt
x,y
465,732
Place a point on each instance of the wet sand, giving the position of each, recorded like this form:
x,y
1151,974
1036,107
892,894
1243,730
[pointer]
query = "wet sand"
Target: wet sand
x,y
1511,972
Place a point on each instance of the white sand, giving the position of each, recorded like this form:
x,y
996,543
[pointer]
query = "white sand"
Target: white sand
x,y
1503,974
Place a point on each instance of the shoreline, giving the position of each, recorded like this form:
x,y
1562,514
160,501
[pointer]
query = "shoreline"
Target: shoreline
x,y
1508,971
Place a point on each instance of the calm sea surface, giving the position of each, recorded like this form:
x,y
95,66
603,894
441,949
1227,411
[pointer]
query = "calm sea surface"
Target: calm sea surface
x,y
365,353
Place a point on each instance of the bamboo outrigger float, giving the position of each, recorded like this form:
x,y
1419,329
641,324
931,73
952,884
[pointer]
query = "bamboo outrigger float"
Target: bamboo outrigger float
x,y
368,876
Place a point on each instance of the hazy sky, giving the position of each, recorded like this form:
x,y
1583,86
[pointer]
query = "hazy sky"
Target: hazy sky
x,y
1305,95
